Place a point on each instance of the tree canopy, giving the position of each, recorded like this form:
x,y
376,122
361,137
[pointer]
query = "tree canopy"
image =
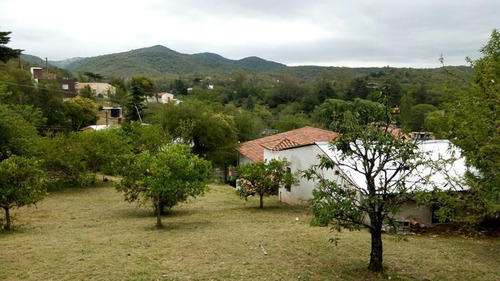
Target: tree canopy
x,y
386,161
264,178
166,178
7,53
21,184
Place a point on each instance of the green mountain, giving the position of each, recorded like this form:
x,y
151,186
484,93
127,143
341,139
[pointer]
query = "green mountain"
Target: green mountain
x,y
159,61
33,60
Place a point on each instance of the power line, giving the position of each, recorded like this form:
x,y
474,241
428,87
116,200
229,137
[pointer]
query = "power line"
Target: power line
x,y
33,87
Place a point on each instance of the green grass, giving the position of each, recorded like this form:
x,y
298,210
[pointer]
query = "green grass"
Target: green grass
x,y
92,234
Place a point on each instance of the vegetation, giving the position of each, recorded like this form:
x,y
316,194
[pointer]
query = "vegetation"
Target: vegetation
x,y
7,53
142,87
225,102
472,123
167,177
21,184
370,150
82,234
81,111
264,178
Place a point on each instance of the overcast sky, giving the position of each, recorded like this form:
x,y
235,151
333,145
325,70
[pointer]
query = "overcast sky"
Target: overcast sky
x,y
352,33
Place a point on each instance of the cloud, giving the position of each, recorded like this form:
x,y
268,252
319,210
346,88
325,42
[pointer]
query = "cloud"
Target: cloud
x,y
396,33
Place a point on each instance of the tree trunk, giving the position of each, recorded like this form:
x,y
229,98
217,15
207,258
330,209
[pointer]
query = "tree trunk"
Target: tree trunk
x,y
7,219
158,214
376,255
261,201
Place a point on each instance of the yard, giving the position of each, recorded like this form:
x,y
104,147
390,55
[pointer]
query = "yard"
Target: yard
x,y
93,234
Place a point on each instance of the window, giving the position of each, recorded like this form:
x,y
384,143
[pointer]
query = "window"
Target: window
x,y
65,86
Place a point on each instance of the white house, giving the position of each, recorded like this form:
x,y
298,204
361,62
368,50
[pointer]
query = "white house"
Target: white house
x,y
303,157
163,97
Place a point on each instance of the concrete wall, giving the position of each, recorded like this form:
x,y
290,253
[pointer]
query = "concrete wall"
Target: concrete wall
x,y
242,159
420,213
301,159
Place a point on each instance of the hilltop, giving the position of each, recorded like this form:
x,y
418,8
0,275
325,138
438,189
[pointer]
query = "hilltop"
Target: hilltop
x,y
158,61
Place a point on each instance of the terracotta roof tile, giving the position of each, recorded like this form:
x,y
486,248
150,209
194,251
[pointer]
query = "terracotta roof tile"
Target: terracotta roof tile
x,y
254,149
277,145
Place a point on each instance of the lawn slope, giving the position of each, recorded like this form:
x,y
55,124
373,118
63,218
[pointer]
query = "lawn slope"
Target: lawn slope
x,y
92,234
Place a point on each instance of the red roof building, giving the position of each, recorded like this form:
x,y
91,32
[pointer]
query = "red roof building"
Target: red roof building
x,y
253,151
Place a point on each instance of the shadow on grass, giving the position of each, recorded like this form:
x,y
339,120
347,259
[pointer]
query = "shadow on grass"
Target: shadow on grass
x,y
359,271
169,226
143,212
272,209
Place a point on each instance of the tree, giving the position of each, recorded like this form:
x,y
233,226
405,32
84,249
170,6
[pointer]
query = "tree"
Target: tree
x,y
264,178
418,114
7,53
291,122
21,184
178,87
81,111
369,150
288,89
104,150
248,125
18,136
121,96
166,178
475,124
49,99
93,77
87,92
324,86
394,91
64,162
203,125
332,111
141,86
358,88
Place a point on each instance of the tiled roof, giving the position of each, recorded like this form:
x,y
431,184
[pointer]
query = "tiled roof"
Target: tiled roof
x,y
254,149
280,144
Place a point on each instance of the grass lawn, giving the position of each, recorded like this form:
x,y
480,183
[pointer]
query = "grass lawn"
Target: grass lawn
x,y
93,234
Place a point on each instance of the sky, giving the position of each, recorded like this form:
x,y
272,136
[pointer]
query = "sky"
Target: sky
x,y
350,33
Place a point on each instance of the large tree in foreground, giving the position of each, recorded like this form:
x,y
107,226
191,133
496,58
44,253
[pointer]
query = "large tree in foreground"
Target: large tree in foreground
x,y
21,184
472,122
264,178
166,178
371,151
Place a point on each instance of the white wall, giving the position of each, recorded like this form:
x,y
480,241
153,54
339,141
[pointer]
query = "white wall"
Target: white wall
x,y
301,159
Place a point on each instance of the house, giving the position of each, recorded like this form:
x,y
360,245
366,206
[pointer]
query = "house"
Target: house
x,y
163,97
303,157
253,151
67,85
101,90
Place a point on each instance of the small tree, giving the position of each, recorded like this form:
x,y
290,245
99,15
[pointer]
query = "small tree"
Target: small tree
x,y
264,178
167,177
87,92
81,111
370,151
21,184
